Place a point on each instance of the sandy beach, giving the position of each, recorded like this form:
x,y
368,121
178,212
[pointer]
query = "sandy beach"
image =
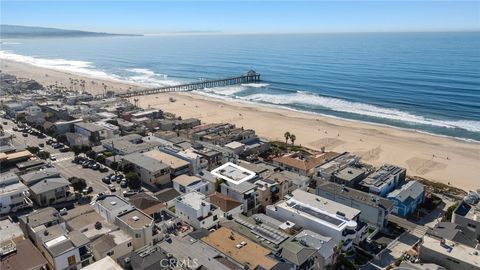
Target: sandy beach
x,y
435,158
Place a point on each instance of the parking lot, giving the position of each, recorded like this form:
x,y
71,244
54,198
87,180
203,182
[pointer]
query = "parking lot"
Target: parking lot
x,y
21,142
92,177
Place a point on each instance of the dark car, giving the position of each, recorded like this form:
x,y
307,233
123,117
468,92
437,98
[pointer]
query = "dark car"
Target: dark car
x,y
123,184
41,145
64,149
95,166
25,134
106,180
129,193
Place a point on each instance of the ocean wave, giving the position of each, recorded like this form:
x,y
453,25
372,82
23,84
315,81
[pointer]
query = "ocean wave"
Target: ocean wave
x,y
339,105
72,66
148,77
225,91
256,85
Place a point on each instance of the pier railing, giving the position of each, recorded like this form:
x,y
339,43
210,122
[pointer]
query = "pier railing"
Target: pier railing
x,y
249,77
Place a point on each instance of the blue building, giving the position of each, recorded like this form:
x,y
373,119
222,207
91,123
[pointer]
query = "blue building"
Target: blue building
x,y
407,198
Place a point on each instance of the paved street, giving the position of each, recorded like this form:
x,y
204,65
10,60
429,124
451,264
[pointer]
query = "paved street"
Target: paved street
x,y
21,142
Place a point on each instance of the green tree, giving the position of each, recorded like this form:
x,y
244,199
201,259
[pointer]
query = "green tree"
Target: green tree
x,y
293,138
43,154
33,149
62,138
78,184
133,180
287,136
100,159
76,149
91,154
448,214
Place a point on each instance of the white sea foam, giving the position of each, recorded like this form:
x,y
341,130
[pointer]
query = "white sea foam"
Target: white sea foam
x,y
226,91
72,66
149,78
256,85
308,99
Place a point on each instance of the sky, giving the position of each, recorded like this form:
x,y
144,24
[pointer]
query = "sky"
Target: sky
x,y
152,17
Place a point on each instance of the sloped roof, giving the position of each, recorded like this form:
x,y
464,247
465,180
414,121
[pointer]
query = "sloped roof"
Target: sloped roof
x,y
224,202
304,162
411,190
296,253
49,184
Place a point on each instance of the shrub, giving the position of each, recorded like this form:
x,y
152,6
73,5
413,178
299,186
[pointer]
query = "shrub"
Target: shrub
x,y
43,154
33,149
133,180
78,184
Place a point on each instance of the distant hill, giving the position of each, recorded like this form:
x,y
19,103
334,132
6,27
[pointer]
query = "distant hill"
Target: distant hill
x,y
18,31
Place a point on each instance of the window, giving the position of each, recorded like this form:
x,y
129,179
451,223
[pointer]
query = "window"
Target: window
x,y
215,217
472,226
129,244
72,260
110,253
137,235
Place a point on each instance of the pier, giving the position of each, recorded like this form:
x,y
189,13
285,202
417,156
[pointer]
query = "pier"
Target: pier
x,y
249,77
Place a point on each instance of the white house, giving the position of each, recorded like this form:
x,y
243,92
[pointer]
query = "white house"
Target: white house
x,y
194,209
320,215
13,194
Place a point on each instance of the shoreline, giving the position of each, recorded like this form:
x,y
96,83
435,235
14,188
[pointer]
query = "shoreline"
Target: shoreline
x,y
431,156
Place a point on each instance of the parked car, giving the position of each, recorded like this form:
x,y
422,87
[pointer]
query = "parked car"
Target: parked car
x,y
103,169
106,180
53,157
87,190
112,188
123,184
119,178
25,134
129,193
63,211
64,149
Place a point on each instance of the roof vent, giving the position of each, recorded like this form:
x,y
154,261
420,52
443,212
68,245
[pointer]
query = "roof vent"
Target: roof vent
x,y
135,218
113,203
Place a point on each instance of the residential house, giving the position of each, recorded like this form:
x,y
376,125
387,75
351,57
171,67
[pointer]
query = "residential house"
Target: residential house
x,y
407,198
114,244
384,180
151,170
322,216
196,210
111,206
467,214
228,205
302,163
448,254
186,184
21,254
241,249
50,191
13,194
374,209
139,226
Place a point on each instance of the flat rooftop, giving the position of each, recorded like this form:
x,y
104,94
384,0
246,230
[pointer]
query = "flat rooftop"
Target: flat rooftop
x,y
111,202
250,254
354,194
170,160
381,176
136,219
326,205
450,249
193,199
9,230
233,173
146,162
349,173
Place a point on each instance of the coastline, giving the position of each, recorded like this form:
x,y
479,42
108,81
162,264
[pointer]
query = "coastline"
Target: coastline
x,y
423,155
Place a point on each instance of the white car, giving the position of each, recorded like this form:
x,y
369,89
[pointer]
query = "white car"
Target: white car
x,y
53,158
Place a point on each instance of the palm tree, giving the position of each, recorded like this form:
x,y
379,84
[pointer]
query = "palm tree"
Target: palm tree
x,y
293,138
287,136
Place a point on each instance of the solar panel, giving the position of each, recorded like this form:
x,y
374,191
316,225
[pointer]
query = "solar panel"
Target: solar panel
x,y
319,215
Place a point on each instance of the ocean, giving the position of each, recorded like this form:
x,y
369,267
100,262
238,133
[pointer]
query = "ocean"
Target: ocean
x,y
429,82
